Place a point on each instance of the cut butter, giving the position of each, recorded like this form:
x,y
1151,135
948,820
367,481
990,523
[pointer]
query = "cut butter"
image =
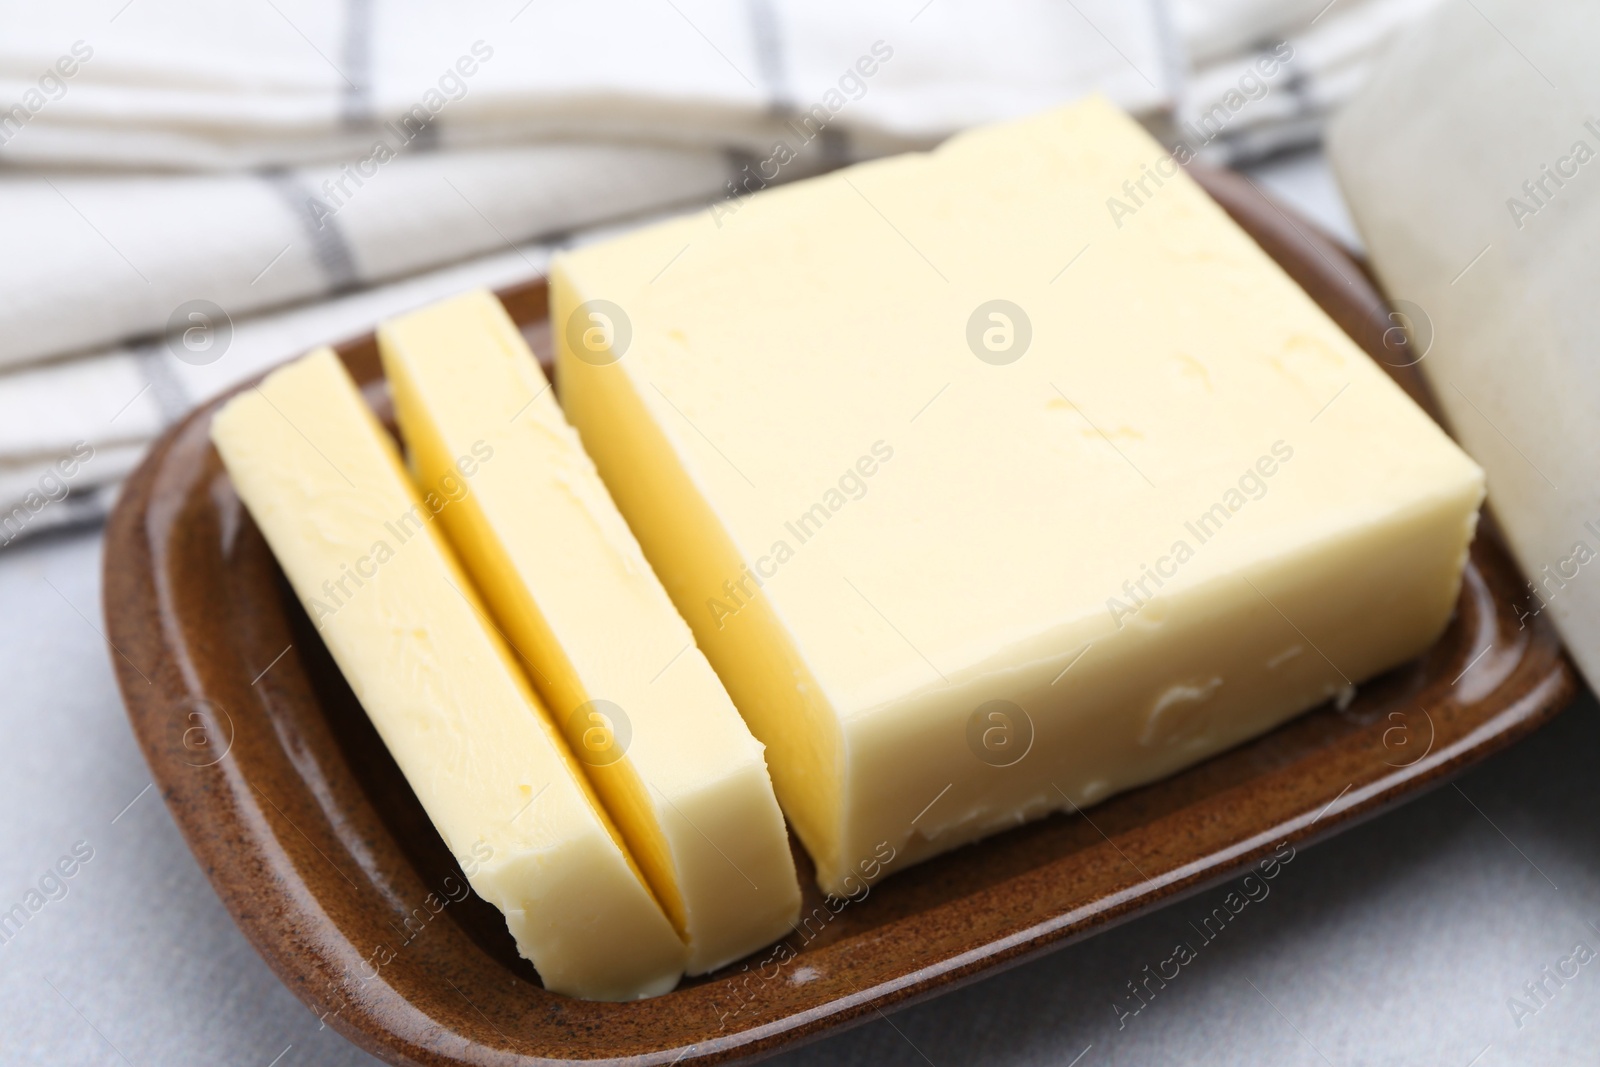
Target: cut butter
x,y
674,763
324,484
998,479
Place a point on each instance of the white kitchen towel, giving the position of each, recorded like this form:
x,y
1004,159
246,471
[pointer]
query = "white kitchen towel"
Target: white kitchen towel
x,y
92,258
192,83
1472,167
188,84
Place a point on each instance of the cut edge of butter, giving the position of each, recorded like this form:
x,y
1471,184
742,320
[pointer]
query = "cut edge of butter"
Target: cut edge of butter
x,y
792,720
573,593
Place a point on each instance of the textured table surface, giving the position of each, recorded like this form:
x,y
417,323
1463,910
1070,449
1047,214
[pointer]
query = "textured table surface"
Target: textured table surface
x,y
1400,942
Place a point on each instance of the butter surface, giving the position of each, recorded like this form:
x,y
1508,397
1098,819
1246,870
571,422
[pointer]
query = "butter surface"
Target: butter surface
x,y
957,570
658,736
324,483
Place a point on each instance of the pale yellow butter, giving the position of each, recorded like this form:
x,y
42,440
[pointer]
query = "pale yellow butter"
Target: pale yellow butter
x,y
961,563
675,765
324,483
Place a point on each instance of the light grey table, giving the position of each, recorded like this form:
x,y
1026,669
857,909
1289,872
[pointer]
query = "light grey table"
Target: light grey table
x,y
1400,942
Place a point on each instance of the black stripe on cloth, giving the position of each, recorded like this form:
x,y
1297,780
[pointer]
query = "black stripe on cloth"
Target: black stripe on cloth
x,y
320,225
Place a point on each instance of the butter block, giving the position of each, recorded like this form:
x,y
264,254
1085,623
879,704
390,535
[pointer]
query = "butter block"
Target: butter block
x,y
661,741
324,483
998,479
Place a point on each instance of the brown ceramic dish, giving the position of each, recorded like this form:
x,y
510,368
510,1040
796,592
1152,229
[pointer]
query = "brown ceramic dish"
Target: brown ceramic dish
x,y
318,848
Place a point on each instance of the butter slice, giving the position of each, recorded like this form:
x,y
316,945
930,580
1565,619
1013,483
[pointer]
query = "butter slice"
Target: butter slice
x,y
961,564
324,483
663,744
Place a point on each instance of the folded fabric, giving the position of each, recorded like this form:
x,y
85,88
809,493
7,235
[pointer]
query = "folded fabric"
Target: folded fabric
x,y
189,83
1472,166
92,258
1267,73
